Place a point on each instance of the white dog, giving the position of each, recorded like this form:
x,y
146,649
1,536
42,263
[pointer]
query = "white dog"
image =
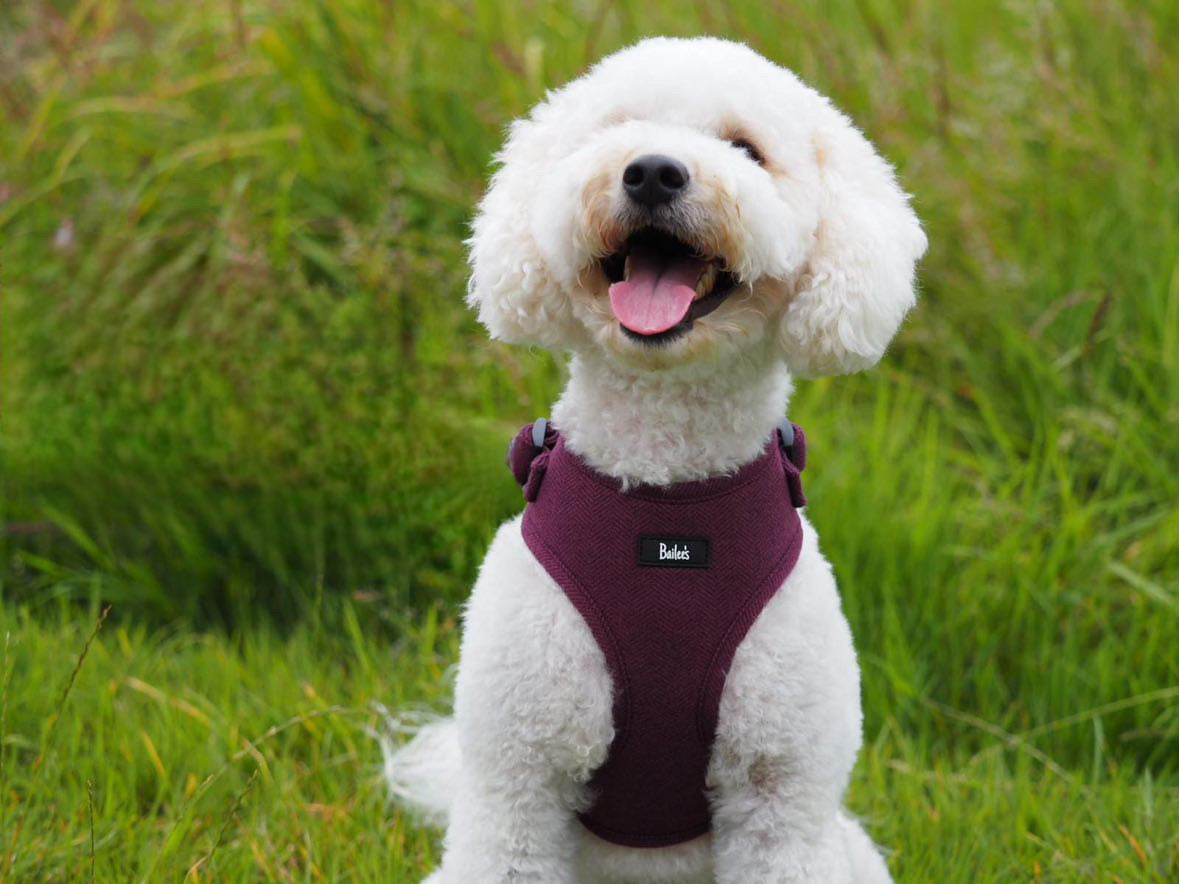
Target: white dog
x,y
694,226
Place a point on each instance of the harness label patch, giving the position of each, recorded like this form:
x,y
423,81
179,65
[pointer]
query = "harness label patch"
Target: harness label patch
x,y
673,552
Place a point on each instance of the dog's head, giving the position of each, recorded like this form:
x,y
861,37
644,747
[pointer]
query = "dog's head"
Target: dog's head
x,y
688,200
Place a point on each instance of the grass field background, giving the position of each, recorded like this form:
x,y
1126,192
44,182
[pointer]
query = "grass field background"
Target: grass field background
x,y
243,406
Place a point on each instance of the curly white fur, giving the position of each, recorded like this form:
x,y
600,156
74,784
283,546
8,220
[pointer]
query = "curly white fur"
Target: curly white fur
x,y
824,243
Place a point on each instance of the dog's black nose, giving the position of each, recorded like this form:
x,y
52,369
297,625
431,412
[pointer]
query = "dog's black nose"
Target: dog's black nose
x,y
654,179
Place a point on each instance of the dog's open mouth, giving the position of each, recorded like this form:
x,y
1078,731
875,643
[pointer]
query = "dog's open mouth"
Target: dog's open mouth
x,y
659,285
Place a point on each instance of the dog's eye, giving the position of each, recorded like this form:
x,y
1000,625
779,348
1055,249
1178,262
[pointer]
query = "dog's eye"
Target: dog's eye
x,y
750,149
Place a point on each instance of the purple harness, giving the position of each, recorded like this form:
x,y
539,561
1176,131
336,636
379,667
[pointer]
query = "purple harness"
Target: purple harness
x,y
669,581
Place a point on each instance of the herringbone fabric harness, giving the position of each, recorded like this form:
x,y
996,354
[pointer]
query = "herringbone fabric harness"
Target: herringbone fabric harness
x,y
669,580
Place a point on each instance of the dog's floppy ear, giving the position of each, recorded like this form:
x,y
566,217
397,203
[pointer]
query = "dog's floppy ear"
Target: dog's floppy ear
x,y
511,288
858,283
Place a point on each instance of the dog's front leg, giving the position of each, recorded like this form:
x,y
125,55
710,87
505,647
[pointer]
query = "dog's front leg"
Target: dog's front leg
x,y
786,742
533,711
510,825
763,837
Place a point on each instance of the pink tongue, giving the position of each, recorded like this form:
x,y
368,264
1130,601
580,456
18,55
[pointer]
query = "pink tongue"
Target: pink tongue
x,y
657,294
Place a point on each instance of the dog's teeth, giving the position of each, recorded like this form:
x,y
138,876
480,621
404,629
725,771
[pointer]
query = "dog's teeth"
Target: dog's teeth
x,y
706,282
626,268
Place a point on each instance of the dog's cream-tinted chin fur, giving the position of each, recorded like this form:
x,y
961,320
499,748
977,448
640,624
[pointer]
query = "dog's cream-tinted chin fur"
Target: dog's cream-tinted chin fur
x,y
738,328
702,347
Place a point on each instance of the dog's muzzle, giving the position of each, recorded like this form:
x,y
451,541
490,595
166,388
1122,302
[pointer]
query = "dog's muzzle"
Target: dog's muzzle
x,y
661,284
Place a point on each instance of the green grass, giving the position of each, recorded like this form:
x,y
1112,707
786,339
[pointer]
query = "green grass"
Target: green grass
x,y
242,759
251,758
243,404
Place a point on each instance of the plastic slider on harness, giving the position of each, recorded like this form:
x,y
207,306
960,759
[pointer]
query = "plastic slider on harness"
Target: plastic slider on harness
x,y
528,455
793,442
